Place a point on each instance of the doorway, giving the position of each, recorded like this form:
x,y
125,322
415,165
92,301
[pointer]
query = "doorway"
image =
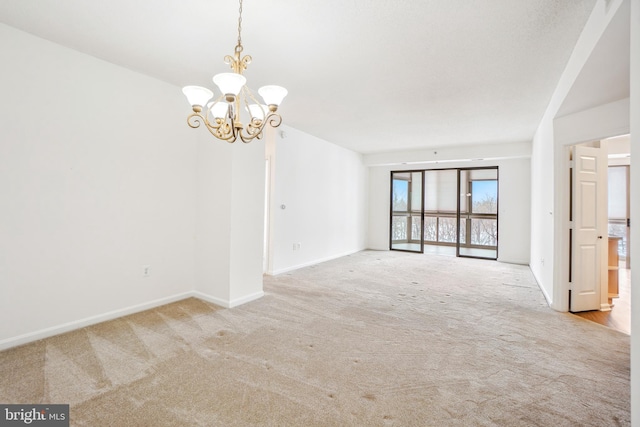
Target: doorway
x,y
617,276
445,210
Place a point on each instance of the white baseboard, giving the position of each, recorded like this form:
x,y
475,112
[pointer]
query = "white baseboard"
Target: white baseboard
x,y
314,262
71,326
544,292
88,321
211,299
228,303
605,307
513,261
245,299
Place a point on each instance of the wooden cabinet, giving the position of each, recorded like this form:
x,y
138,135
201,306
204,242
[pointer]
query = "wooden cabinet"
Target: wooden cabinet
x,y
613,266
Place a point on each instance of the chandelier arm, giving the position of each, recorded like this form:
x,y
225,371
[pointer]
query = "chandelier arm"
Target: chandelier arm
x,y
247,139
221,130
248,94
227,130
218,127
274,119
245,94
245,98
254,130
195,119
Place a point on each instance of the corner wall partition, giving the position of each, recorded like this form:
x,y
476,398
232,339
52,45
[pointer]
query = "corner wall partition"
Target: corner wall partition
x,y
445,208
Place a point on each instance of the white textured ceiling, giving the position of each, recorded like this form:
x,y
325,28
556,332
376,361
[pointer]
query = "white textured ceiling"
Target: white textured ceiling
x,y
370,75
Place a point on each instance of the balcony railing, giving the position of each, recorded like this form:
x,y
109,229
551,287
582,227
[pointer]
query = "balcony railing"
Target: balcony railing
x,y
440,228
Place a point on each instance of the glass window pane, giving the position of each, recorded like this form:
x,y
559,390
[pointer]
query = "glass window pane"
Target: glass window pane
x,y
400,195
415,227
440,188
416,191
430,229
484,232
484,197
483,174
447,230
617,192
431,190
399,228
463,231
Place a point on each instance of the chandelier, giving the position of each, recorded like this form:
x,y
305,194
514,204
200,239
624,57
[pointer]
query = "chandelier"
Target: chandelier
x,y
223,116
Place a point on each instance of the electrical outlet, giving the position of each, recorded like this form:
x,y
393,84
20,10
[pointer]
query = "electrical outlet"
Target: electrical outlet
x,y
296,246
146,270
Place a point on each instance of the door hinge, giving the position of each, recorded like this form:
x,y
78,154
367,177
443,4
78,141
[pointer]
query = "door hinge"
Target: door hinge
x,y
628,222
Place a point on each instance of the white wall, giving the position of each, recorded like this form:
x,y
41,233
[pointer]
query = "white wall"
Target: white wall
x,y
230,212
515,211
542,205
213,217
379,203
514,200
323,188
97,179
635,211
247,222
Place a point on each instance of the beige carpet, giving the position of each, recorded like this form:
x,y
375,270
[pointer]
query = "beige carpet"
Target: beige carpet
x,y
373,339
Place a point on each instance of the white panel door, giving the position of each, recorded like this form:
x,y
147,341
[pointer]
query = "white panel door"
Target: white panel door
x,y
588,266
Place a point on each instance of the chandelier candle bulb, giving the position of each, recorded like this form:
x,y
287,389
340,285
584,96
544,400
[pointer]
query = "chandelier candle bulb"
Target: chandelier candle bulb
x,y
223,119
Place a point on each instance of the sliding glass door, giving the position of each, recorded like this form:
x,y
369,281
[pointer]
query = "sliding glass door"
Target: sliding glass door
x,y
449,210
440,204
407,214
478,213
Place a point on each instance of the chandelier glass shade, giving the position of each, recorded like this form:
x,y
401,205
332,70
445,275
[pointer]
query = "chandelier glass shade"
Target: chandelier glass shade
x,y
223,115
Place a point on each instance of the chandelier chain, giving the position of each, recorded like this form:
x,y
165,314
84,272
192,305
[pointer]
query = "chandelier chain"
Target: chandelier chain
x,y
239,46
